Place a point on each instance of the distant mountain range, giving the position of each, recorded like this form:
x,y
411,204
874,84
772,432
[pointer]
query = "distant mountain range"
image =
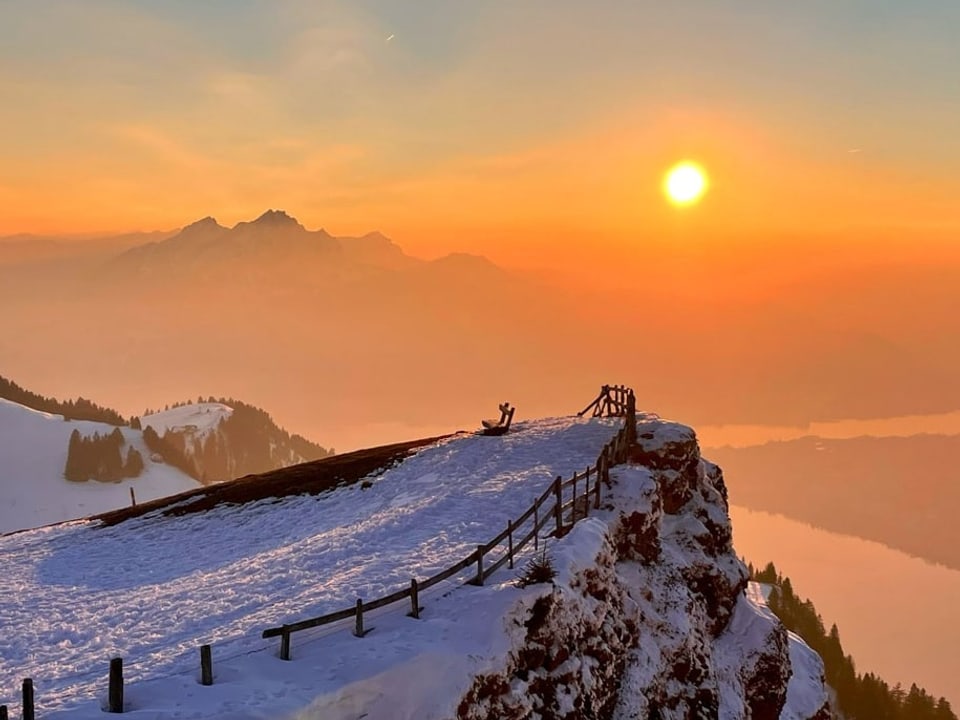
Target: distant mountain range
x,y
63,460
901,491
351,335
290,318
275,239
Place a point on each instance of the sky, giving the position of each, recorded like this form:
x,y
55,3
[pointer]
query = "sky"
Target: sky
x,y
484,125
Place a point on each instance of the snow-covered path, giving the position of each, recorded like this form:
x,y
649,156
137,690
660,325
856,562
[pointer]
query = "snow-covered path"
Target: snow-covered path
x,y
151,590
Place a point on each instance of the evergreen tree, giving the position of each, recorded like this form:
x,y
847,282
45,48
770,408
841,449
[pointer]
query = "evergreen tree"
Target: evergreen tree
x,y
134,464
74,467
80,409
860,697
152,440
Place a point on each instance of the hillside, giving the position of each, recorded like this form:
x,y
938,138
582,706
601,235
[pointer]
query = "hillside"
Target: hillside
x,y
33,454
648,596
79,409
861,486
217,440
64,460
858,694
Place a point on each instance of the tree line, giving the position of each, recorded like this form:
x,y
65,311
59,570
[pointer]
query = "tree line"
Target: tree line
x,y
860,696
101,457
245,442
79,409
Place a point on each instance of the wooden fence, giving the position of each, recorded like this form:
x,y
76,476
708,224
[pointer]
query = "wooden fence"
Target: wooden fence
x,y
613,400
560,506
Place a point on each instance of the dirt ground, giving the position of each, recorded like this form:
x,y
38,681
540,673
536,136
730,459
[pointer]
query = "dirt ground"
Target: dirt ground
x,y
309,478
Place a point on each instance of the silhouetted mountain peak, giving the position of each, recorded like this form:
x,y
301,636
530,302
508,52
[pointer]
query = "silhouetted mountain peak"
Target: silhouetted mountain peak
x,y
204,224
274,219
202,228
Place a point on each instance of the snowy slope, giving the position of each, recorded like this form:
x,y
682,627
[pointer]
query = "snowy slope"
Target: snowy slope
x,y
647,611
197,419
33,452
131,590
806,691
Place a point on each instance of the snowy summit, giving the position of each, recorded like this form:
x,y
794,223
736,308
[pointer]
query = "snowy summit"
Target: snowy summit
x,y
197,419
647,610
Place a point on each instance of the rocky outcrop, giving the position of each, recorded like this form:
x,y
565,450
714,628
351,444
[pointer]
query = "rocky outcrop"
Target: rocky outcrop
x,y
577,633
648,615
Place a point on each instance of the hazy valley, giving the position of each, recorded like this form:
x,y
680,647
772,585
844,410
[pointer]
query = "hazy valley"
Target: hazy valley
x,y
299,321
903,492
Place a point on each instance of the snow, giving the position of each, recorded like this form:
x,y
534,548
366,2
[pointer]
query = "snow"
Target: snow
x,y
152,589
33,452
198,419
806,692
749,631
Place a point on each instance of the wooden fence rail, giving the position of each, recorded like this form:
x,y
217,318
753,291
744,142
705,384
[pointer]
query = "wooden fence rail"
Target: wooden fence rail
x,y
550,507
613,401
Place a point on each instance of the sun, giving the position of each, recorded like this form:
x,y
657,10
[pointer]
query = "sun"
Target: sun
x,y
685,183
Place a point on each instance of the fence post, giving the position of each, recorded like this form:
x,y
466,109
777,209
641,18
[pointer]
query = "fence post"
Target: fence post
x,y
479,579
601,472
206,665
536,527
358,630
510,541
115,694
133,498
586,495
27,689
631,418
414,599
285,644
558,507
3,713
573,512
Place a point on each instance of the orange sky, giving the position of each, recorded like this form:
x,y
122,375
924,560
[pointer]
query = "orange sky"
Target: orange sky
x,y
491,130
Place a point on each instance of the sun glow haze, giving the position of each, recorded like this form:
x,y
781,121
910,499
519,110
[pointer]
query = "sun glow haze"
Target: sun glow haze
x,y
685,183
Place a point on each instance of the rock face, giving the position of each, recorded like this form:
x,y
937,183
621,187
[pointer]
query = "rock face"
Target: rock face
x,y
648,616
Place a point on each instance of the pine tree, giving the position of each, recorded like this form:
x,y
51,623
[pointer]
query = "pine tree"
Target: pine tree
x,y
152,440
111,461
74,467
859,696
134,464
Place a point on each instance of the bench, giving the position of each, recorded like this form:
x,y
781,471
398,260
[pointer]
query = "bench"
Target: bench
x,y
501,426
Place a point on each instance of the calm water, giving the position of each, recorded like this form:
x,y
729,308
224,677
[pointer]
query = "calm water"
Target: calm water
x,y
898,616
743,435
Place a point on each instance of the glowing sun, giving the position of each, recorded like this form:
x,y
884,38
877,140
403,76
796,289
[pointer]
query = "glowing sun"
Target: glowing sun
x,y
685,183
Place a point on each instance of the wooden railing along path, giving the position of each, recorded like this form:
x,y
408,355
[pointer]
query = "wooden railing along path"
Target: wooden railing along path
x,y
560,505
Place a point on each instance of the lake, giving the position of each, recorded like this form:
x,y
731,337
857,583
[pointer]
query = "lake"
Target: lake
x,y
899,616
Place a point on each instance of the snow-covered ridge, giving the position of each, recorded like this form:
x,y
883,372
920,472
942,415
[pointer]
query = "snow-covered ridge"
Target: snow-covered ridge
x,y
647,595
33,454
198,419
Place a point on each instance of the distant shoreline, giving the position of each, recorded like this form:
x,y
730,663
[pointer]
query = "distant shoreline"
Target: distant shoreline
x,y
712,436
